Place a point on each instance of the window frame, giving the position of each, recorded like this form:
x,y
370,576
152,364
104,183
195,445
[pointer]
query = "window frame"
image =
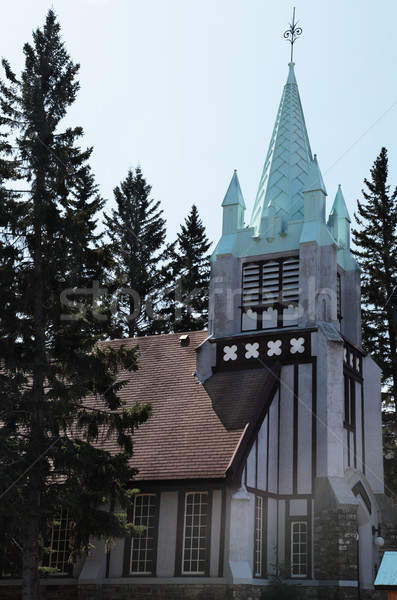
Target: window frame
x,y
263,301
181,534
65,569
299,521
261,572
129,541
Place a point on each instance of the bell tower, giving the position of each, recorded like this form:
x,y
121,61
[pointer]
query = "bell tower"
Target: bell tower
x,y
285,297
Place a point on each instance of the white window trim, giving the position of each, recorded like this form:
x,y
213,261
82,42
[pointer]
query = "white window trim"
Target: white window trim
x,y
258,551
183,571
140,539
299,575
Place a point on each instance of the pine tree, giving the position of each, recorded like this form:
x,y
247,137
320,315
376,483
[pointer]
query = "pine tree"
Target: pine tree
x,y
50,325
376,242
187,277
137,232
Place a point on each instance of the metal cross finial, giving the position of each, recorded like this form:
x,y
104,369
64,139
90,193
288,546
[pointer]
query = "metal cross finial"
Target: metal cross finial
x,y
292,33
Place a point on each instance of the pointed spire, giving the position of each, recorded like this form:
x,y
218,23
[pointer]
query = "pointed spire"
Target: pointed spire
x,y
315,179
339,206
234,194
339,220
314,194
287,163
233,207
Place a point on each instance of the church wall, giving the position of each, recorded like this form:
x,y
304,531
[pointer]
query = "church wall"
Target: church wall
x,y
166,546
286,431
225,297
330,406
372,425
351,306
305,429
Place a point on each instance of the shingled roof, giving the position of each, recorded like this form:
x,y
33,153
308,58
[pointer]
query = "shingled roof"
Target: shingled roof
x,y
195,429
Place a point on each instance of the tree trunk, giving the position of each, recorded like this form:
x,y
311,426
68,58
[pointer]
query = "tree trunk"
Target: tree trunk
x,y
30,554
30,558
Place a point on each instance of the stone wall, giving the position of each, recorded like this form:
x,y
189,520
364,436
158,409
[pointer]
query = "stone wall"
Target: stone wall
x,y
335,544
183,592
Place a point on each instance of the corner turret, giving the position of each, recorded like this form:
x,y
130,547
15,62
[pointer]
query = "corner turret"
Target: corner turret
x,y
233,207
339,220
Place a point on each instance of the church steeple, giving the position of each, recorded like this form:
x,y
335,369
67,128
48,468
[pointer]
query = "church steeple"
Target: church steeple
x,y
288,161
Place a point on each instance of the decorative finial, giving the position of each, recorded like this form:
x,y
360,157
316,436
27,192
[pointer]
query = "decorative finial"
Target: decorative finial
x,y
292,33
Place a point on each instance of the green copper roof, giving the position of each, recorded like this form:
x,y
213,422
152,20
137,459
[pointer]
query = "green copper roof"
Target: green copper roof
x,y
339,206
234,194
315,179
288,161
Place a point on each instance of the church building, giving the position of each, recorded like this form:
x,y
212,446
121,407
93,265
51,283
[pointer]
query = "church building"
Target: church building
x,y
264,451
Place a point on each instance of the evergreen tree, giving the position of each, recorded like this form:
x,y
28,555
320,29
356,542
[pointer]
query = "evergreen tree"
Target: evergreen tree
x,y
376,242
376,250
51,266
186,277
137,232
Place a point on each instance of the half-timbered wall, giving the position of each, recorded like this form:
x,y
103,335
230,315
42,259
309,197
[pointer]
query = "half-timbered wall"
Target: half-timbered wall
x,y
279,472
282,455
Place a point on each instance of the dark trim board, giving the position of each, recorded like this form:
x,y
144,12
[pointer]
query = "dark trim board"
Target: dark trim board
x,y
274,496
314,421
163,485
295,430
222,537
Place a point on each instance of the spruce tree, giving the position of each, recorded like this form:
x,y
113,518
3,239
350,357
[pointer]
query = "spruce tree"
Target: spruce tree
x,y
376,250
186,277
137,232
52,264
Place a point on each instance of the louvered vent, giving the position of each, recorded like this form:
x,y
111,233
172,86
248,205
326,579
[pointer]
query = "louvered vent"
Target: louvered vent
x,y
251,285
290,280
338,295
270,282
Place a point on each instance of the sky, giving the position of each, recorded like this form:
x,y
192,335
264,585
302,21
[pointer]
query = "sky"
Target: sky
x,y
190,89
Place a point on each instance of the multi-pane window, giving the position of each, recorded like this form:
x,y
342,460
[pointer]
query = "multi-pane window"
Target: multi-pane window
x,y
299,549
258,550
270,294
194,555
59,544
143,546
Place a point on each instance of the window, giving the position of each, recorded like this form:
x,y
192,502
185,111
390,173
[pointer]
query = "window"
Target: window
x,y
270,294
350,403
143,546
258,550
299,549
194,554
59,544
338,297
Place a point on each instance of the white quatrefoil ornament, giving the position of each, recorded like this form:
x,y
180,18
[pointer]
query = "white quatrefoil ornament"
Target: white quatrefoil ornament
x,y
274,348
230,352
297,345
252,350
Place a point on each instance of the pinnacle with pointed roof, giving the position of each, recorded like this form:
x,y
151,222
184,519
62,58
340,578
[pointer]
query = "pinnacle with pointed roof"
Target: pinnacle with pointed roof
x,y
234,194
339,220
288,161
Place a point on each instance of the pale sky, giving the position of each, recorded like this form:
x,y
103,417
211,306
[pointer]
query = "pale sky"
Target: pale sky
x,y
190,89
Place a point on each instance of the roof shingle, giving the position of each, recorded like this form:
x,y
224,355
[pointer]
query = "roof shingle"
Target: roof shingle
x,y
195,429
